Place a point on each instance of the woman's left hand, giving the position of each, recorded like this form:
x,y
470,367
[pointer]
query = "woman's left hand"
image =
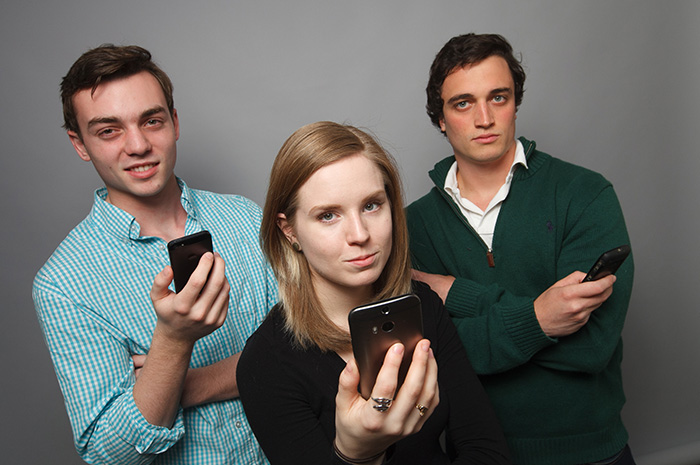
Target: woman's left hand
x,y
361,429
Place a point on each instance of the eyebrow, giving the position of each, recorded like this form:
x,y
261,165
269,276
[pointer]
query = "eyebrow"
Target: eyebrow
x,y
113,119
499,90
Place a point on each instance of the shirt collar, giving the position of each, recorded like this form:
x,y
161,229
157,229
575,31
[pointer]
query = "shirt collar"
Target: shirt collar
x,y
452,186
121,224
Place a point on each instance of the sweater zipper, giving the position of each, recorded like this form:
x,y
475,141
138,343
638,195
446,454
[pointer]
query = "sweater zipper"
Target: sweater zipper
x,y
489,251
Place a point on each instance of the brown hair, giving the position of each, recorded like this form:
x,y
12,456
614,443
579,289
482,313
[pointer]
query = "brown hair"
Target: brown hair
x,y
310,148
464,50
106,63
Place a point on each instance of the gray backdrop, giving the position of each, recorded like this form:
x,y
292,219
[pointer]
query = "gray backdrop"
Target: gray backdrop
x,y
611,85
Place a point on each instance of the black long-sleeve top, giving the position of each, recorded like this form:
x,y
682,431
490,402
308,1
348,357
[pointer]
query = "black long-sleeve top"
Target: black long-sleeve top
x,y
289,398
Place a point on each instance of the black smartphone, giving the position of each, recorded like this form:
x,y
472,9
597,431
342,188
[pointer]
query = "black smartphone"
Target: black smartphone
x,y
377,326
185,253
608,263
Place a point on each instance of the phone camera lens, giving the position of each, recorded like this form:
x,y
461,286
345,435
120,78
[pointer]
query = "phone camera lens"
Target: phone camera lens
x,y
388,326
385,311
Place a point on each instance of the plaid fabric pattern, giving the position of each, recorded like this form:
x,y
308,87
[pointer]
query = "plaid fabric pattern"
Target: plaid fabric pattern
x,y
92,301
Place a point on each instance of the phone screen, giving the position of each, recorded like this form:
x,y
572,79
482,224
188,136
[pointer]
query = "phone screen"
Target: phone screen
x,y
375,327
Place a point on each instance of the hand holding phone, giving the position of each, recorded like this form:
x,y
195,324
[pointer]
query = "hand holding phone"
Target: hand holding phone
x,y
375,327
608,263
185,253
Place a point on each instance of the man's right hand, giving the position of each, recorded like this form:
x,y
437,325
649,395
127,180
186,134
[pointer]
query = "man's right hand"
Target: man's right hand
x,y
199,308
183,318
567,305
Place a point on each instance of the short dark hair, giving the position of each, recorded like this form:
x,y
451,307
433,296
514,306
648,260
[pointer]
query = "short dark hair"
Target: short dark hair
x,y
103,64
464,50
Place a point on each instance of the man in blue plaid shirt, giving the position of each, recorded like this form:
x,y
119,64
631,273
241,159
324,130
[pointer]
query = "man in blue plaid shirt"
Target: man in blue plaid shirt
x,y
148,375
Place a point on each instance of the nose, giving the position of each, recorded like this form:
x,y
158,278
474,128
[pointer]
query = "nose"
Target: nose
x,y
137,143
483,118
356,229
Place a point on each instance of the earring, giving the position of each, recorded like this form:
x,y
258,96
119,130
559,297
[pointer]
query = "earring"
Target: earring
x,y
296,246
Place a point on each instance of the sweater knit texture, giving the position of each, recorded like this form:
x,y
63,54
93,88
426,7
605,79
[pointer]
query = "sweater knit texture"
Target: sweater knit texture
x,y
558,399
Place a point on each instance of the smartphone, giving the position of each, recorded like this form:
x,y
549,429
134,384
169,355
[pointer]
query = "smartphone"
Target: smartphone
x,y
377,326
185,253
608,263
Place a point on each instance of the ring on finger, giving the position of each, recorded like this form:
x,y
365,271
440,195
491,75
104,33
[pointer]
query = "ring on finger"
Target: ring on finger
x,y
421,409
383,404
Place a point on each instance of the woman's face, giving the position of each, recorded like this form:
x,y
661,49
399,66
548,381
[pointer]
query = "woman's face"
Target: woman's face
x,y
343,225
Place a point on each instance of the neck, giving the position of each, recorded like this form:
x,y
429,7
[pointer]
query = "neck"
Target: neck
x,y
161,215
338,302
479,182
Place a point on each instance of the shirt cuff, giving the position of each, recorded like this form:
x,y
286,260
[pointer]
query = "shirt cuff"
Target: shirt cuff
x,y
130,425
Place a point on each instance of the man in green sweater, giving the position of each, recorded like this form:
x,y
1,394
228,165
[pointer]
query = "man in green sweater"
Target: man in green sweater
x,y
504,238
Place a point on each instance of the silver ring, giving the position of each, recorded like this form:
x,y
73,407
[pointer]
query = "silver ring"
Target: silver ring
x,y
421,409
383,404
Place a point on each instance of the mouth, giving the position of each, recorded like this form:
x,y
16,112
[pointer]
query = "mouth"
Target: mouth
x,y
363,260
485,138
142,168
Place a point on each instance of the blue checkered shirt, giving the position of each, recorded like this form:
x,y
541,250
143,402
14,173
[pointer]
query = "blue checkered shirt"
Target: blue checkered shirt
x,y
92,301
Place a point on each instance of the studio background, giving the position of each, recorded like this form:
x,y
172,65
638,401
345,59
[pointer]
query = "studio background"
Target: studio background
x,y
611,85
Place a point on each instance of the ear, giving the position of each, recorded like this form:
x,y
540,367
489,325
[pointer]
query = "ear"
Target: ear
x,y
286,227
78,145
442,124
176,124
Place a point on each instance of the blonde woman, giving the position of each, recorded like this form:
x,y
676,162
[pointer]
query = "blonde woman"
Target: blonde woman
x,y
334,231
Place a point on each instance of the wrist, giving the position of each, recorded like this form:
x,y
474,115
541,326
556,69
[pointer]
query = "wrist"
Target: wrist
x,y
176,343
377,458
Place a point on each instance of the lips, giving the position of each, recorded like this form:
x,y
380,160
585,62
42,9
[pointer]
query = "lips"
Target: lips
x,y
486,138
363,260
143,170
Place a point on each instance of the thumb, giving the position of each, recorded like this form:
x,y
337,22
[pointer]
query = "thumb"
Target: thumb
x,y
347,386
574,278
159,290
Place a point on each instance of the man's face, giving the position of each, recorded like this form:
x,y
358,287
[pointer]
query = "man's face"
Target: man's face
x,y
129,136
479,112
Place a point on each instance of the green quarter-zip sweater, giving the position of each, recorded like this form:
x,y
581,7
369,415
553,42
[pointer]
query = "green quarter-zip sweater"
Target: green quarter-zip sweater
x,y
558,399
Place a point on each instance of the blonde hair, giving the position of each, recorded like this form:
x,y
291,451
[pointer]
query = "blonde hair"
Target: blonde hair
x,y
307,150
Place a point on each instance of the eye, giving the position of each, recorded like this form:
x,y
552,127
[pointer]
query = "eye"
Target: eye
x,y
499,98
106,133
153,122
326,217
371,206
462,105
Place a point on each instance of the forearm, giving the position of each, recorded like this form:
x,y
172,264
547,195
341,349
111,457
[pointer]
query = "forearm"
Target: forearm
x,y
599,228
159,387
212,383
489,317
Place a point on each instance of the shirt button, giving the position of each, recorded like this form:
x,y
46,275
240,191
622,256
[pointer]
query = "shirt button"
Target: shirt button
x,y
238,424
